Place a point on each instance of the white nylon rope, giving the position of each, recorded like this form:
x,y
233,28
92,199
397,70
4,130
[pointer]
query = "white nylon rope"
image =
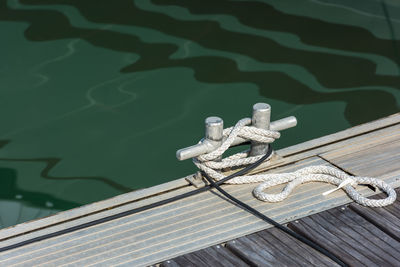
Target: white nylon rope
x,y
209,164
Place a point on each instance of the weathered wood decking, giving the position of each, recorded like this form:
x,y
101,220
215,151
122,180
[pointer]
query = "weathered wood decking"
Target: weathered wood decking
x,y
205,220
359,236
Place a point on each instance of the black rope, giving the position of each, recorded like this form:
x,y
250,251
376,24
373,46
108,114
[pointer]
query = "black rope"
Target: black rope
x,y
184,195
275,223
133,211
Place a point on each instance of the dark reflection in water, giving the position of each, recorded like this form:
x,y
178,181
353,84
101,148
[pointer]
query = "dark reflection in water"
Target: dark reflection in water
x,y
9,190
36,204
309,30
50,163
342,59
33,204
332,71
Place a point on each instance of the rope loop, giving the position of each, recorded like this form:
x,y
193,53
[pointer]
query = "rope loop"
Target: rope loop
x,y
213,168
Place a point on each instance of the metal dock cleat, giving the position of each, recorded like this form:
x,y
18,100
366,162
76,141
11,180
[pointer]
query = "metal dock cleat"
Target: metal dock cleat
x,y
214,127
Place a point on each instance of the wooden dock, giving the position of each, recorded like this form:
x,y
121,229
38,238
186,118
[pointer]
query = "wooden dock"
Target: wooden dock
x,y
357,235
206,229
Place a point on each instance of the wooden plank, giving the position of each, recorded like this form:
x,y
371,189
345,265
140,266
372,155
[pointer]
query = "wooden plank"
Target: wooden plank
x,y
224,256
174,229
273,247
146,236
255,254
350,237
327,240
372,239
212,256
90,209
172,263
357,143
309,148
91,217
386,219
342,135
194,260
378,160
182,227
313,145
298,249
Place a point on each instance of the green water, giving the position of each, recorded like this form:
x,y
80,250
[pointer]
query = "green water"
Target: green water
x,y
96,96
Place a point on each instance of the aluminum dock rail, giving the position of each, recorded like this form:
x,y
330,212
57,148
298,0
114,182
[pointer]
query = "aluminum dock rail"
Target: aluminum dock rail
x,y
206,229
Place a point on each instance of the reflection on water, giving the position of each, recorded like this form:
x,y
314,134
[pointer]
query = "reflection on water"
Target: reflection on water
x,y
98,95
18,205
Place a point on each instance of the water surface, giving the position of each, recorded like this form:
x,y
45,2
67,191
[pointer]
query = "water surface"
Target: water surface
x,y
96,96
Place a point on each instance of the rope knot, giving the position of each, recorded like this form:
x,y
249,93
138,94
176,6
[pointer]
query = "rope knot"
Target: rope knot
x,y
210,164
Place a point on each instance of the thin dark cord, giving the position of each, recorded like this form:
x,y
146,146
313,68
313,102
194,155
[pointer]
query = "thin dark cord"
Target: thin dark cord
x,y
184,195
133,211
274,223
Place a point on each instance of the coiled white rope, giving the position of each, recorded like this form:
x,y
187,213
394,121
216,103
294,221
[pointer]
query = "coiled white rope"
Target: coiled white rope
x,y
210,164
